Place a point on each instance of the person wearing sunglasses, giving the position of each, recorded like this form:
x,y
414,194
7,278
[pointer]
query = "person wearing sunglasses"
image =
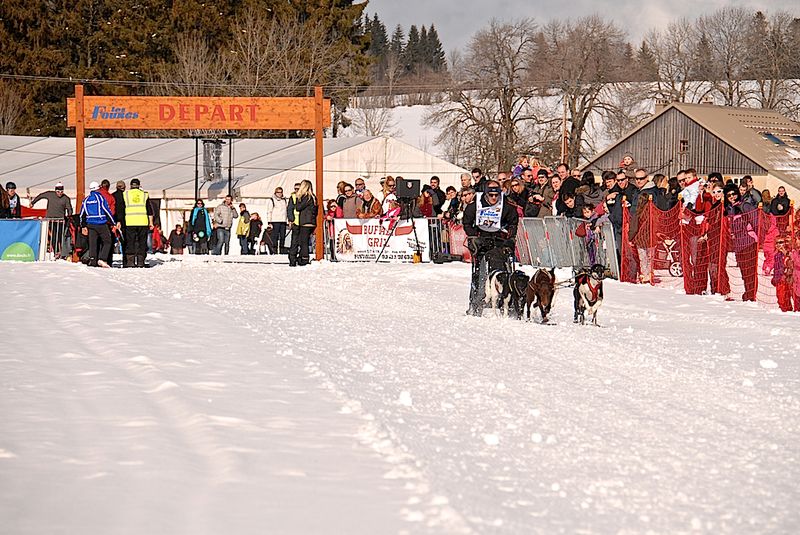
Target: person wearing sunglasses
x,y
743,219
490,224
200,227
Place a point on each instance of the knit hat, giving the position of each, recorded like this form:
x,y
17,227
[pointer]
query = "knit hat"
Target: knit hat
x,y
60,186
11,185
94,186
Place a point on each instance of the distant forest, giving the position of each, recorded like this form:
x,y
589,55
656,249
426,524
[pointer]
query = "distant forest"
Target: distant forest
x,y
197,47
509,91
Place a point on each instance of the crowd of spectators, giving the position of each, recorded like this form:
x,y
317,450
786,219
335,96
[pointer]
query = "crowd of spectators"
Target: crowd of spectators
x,y
530,188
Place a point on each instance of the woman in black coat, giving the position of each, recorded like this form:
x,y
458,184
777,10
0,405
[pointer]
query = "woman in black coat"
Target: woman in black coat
x,y
254,233
304,222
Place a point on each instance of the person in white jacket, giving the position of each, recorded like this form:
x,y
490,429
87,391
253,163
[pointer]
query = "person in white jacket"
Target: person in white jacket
x,y
277,220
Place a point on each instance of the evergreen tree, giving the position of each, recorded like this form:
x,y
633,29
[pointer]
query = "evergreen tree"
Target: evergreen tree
x,y
411,53
437,59
646,63
423,54
379,42
398,43
703,62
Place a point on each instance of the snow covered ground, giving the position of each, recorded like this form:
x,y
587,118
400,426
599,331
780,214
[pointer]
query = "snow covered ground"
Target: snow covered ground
x,y
342,398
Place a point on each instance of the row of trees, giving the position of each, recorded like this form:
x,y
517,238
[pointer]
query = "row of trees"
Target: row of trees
x,y
197,47
419,56
516,82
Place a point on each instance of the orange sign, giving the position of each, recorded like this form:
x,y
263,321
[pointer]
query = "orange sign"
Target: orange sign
x,y
208,113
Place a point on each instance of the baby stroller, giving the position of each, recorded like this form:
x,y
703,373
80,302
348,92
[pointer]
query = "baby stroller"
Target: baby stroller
x,y
668,255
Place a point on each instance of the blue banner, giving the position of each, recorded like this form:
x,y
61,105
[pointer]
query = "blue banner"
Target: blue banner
x,y
19,239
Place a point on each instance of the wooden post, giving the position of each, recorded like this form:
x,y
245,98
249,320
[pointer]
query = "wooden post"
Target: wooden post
x,y
318,131
196,170
80,162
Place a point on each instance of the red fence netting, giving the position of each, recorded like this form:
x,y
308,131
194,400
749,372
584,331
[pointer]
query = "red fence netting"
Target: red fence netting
x,y
748,256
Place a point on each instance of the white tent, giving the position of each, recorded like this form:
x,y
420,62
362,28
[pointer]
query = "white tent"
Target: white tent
x,y
166,167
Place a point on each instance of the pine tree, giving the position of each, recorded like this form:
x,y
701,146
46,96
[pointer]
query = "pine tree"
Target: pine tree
x,y
437,59
411,53
423,54
379,42
398,43
646,63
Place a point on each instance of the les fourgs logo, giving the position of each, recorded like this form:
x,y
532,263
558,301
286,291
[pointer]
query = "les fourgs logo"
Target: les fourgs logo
x,y
113,112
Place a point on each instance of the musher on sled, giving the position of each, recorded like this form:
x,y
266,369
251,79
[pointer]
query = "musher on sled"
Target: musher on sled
x,y
489,224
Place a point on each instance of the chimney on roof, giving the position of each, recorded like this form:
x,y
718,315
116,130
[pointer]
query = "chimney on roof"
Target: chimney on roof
x,y
708,99
661,103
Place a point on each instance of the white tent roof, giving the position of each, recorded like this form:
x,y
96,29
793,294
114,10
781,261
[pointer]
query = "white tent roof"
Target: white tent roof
x,y
166,166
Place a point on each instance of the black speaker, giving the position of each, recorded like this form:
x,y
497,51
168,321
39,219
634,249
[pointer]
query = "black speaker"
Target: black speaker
x,y
407,189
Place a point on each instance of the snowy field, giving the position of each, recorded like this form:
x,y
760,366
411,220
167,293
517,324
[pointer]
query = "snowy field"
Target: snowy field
x,y
359,399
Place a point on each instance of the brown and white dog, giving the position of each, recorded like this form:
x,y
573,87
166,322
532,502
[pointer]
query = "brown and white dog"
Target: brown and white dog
x,y
588,293
540,292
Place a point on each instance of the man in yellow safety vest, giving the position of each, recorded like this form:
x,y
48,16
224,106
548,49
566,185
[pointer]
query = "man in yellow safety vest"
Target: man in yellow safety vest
x,y
137,214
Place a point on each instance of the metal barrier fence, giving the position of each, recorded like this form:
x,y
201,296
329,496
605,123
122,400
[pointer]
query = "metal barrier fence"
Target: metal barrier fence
x,y
56,239
560,242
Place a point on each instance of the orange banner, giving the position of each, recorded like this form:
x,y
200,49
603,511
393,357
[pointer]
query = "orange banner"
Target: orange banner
x,y
208,113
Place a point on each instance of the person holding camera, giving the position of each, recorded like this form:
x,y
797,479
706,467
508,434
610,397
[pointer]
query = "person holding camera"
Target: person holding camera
x,y
490,223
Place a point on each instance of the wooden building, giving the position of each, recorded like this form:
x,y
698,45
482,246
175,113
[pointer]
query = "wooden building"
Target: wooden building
x,y
732,141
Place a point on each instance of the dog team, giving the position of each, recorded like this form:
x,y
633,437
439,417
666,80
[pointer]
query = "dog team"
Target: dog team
x,y
508,291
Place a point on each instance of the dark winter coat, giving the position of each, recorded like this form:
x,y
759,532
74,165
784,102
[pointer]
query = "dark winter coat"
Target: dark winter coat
x,y
615,205
119,200
200,222
780,205
15,208
305,209
438,197
255,229
176,240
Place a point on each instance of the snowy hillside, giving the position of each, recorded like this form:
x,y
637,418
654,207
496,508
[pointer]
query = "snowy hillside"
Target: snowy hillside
x,y
191,398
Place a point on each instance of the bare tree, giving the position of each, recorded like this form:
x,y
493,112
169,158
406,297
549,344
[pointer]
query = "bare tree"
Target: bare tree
x,y
10,108
481,123
196,70
374,121
770,61
675,53
581,57
725,30
626,105
394,69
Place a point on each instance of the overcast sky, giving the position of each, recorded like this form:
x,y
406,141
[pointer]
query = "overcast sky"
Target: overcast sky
x,y
457,20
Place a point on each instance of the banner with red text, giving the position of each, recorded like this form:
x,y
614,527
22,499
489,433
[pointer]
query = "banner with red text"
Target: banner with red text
x,y
361,240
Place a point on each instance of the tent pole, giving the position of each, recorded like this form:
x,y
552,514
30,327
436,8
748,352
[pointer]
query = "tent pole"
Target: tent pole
x,y
318,108
196,171
80,153
230,166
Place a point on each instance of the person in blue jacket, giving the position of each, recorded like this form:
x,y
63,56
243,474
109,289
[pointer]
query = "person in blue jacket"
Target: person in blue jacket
x,y
95,220
200,227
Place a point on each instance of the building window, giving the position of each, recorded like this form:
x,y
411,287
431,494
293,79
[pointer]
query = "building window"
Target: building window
x,y
684,145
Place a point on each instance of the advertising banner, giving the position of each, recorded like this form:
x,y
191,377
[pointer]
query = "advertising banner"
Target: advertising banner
x,y
361,240
19,239
214,113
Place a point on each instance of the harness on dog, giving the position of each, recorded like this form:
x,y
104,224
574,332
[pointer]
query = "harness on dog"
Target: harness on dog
x,y
584,278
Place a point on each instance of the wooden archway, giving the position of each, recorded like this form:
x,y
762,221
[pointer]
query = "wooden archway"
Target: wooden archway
x,y
206,113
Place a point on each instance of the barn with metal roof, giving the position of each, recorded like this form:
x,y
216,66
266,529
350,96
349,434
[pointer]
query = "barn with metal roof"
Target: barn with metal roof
x,y
732,141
